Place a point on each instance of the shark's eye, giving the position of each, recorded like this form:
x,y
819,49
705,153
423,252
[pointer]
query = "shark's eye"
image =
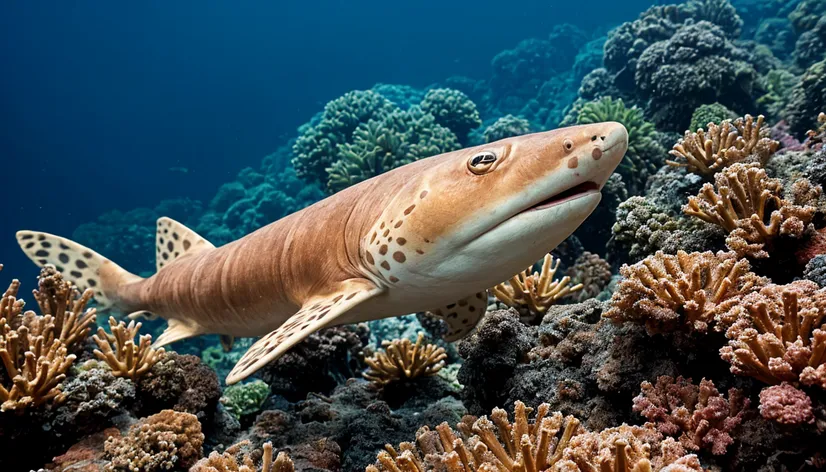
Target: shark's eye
x,y
568,145
481,162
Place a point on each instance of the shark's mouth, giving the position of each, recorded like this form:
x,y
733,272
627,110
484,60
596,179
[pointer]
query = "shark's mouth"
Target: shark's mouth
x,y
566,196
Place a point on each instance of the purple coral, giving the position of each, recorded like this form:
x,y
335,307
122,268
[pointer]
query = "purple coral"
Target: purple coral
x,y
786,405
699,415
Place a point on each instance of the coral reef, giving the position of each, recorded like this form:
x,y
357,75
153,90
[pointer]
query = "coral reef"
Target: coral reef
x,y
536,291
404,360
245,399
238,458
453,110
506,127
167,440
711,113
786,405
592,272
126,359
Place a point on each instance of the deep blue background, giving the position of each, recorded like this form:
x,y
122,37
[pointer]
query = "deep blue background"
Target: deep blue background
x,y
98,100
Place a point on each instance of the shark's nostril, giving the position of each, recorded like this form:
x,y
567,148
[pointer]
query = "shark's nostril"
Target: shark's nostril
x,y
596,153
602,138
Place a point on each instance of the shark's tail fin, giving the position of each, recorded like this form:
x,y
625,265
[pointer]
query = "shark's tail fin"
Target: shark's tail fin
x,y
83,266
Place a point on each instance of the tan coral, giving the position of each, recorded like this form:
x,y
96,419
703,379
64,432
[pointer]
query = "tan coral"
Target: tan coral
x,y
535,291
489,445
119,351
592,272
404,360
817,137
707,152
61,300
35,363
164,441
238,458
779,334
665,291
749,205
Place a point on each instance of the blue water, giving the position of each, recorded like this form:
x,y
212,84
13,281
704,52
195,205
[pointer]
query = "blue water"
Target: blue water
x,y
98,100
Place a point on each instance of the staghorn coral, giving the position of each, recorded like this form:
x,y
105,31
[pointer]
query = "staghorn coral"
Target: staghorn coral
x,y
707,152
592,272
698,416
666,292
34,360
643,155
164,441
126,359
404,360
239,458
778,334
626,449
749,205
63,305
486,444
786,405
506,127
535,291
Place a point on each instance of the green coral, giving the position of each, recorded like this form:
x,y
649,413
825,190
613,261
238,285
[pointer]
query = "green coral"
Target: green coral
x,y
807,99
806,15
317,145
778,84
644,153
245,399
713,113
640,226
507,127
401,137
453,110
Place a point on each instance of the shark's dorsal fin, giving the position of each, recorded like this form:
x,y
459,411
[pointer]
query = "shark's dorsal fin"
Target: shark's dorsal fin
x,y
463,315
317,312
174,240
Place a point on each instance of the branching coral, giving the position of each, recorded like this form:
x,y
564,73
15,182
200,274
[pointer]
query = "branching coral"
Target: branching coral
x,y
453,110
535,291
698,416
404,360
817,137
778,334
707,152
494,444
666,291
167,440
34,358
749,205
239,458
126,359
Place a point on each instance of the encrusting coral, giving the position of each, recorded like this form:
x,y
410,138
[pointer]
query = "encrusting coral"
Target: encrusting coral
x,y
167,440
698,416
705,152
535,291
245,399
778,334
750,206
404,360
126,359
786,405
239,458
666,291
34,350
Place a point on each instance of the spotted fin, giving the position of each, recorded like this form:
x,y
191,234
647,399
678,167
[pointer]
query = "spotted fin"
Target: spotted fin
x,y
463,315
317,313
84,267
174,240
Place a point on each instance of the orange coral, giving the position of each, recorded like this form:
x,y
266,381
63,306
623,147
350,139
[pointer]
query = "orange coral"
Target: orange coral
x,y
126,359
404,360
778,334
34,359
749,205
167,440
535,291
238,458
707,152
664,291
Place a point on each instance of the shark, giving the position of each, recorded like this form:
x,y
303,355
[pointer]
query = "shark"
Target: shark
x,y
432,235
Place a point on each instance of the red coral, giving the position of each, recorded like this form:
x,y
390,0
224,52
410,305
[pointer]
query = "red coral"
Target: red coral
x,y
786,405
699,415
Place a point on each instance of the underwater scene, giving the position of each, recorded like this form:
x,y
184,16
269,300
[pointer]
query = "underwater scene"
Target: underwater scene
x,y
445,236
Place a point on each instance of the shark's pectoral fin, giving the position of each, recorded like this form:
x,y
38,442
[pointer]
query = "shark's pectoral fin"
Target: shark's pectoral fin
x,y
463,315
174,240
316,313
176,331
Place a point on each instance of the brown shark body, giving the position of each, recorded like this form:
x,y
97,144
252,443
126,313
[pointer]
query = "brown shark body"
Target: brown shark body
x,y
431,235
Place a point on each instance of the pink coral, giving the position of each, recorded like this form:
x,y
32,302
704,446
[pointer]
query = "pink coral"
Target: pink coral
x,y
786,405
699,415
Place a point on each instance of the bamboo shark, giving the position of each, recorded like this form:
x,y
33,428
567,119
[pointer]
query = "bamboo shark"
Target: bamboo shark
x,y
431,235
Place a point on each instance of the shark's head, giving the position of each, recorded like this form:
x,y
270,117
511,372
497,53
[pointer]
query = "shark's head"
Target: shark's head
x,y
479,215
